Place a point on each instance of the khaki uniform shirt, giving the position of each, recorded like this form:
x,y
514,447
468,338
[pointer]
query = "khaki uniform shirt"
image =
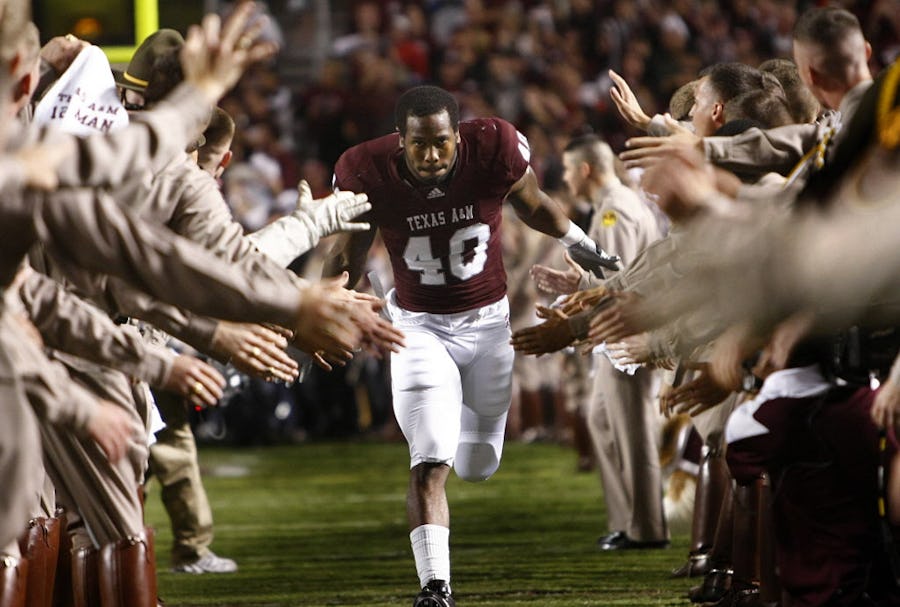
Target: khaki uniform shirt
x,y
188,201
72,325
622,223
52,395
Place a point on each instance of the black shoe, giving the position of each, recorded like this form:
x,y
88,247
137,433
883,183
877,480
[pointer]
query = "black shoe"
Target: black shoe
x,y
619,541
435,594
610,538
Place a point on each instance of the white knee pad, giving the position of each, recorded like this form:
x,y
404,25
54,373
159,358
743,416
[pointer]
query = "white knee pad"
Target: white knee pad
x,y
476,462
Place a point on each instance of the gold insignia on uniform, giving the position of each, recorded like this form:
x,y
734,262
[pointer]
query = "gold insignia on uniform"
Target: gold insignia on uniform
x,y
888,114
609,219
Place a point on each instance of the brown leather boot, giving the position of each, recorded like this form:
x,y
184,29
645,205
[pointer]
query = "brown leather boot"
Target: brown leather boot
x,y
128,573
745,586
716,584
40,545
712,483
62,586
745,553
718,580
769,585
13,581
85,577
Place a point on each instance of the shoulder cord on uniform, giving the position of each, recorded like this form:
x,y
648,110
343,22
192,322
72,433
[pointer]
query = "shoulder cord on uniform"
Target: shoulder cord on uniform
x,y
816,155
888,116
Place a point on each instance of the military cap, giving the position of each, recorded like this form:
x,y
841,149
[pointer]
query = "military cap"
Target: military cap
x,y
137,75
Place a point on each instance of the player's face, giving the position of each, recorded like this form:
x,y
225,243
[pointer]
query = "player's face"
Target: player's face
x,y
429,146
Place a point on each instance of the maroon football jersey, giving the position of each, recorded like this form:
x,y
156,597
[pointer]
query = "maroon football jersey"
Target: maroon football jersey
x,y
443,239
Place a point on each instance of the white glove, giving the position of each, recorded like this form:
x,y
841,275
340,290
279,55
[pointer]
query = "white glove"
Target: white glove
x,y
333,213
289,237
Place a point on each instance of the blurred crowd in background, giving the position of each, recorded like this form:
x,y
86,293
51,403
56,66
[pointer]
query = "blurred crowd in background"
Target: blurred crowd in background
x,y
542,65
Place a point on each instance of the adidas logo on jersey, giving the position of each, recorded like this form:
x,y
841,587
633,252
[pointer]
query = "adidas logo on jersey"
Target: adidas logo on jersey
x,y
435,193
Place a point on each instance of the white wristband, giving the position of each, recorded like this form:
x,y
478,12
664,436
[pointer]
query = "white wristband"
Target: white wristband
x,y
573,236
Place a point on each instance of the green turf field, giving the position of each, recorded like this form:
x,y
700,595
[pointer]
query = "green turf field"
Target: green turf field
x,y
324,524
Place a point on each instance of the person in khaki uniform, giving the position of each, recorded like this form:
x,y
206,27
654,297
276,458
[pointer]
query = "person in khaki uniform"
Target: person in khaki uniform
x,y
159,262
112,515
622,415
187,199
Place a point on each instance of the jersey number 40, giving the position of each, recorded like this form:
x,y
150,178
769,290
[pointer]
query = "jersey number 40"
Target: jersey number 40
x,y
467,256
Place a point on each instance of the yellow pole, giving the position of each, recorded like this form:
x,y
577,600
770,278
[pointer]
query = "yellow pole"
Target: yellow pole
x,y
146,21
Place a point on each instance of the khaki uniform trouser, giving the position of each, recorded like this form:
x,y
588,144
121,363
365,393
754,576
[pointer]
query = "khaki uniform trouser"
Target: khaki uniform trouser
x,y
104,495
19,463
173,460
624,423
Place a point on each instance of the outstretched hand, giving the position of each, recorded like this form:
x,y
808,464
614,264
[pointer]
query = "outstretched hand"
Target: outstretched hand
x,y
886,406
613,322
324,326
636,350
551,335
680,179
627,103
216,54
643,152
199,383
582,300
696,396
334,322
379,335
334,213
557,282
256,350
729,351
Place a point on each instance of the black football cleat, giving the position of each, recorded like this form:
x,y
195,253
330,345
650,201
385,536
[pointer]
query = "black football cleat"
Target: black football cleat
x,y
435,594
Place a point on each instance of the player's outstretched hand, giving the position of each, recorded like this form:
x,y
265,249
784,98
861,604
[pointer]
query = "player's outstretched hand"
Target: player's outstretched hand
x,y
215,54
331,214
550,336
256,350
592,258
199,383
325,326
557,282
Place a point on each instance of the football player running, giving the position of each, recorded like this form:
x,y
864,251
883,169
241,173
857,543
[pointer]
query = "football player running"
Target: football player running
x,y
436,187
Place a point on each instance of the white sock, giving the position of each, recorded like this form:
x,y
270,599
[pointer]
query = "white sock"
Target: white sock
x,y
431,548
